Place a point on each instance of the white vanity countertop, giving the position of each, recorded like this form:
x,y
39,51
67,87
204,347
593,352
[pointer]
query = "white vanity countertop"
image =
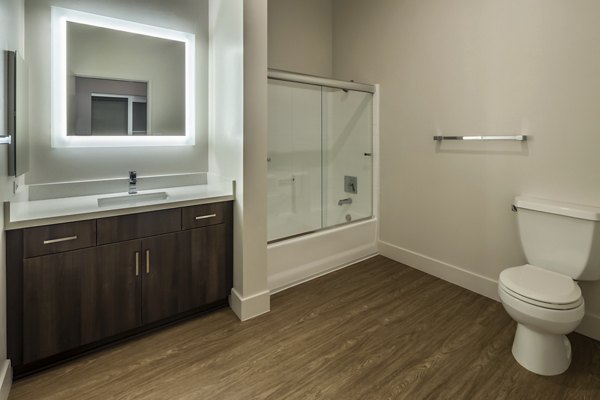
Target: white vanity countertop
x,y
26,214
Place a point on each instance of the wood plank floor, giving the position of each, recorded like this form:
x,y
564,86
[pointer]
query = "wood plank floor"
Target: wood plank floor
x,y
375,330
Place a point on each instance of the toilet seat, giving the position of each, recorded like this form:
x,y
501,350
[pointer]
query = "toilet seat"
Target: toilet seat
x,y
549,306
541,287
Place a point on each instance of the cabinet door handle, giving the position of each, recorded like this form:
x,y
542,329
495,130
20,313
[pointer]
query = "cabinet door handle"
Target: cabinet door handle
x,y
64,239
205,216
137,263
147,261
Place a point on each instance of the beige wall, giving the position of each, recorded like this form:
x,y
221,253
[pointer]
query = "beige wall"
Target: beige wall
x,y
300,36
471,67
52,165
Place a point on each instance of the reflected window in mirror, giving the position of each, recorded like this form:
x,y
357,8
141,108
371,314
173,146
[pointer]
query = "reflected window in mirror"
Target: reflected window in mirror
x,y
110,107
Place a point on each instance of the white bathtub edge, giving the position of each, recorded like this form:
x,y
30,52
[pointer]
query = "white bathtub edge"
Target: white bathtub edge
x,y
283,281
304,258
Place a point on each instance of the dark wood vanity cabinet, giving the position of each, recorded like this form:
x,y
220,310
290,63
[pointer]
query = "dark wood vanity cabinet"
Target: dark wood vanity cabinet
x,y
73,294
78,297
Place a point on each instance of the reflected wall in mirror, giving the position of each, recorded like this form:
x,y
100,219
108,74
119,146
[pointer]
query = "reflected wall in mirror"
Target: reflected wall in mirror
x,y
109,74
120,83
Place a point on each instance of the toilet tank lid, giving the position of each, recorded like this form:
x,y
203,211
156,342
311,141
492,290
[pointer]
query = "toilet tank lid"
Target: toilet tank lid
x,y
557,207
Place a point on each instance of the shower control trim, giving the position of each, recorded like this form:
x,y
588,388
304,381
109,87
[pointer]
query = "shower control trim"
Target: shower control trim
x,y
345,201
351,184
132,182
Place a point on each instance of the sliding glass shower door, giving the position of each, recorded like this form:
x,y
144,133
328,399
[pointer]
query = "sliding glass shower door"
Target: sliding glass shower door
x,y
294,159
347,156
320,163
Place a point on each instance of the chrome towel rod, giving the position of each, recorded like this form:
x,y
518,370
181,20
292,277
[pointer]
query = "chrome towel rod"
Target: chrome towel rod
x,y
519,138
6,139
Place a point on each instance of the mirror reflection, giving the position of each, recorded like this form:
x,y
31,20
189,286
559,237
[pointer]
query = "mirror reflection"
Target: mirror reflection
x,y
121,83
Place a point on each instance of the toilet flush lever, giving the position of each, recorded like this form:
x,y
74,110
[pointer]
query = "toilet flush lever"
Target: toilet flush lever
x,y
514,208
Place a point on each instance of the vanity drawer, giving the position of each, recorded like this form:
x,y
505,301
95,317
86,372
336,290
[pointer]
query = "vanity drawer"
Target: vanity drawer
x,y
205,214
58,238
135,226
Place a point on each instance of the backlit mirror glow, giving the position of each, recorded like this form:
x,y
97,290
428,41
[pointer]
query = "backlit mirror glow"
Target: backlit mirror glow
x,y
119,83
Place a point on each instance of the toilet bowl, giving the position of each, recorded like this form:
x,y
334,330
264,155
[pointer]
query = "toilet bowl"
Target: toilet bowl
x,y
561,242
546,306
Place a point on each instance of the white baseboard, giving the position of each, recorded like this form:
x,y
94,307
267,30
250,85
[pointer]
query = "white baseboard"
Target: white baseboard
x,y
451,273
590,326
298,260
249,307
5,380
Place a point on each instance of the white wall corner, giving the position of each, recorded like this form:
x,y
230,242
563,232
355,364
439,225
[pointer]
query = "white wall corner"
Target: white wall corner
x,y
5,380
249,307
469,280
295,261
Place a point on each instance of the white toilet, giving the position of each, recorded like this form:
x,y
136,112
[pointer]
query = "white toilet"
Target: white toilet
x,y
562,243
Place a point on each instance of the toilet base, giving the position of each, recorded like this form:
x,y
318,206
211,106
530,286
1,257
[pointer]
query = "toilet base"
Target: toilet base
x,y
541,353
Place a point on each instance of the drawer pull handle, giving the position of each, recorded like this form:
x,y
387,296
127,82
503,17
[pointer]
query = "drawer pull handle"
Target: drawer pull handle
x,y
137,263
65,239
205,216
147,261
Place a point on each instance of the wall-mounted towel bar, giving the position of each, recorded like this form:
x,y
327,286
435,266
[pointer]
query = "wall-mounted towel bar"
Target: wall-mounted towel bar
x,y
520,138
6,139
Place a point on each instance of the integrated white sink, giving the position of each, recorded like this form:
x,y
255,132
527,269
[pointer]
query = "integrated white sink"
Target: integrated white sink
x,y
131,199
54,210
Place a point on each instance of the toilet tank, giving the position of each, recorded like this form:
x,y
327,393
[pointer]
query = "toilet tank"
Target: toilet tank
x,y
561,237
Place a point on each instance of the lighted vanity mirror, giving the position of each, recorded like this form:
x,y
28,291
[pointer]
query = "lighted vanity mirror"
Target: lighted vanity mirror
x,y
120,83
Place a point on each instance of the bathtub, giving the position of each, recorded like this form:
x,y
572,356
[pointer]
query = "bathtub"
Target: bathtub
x,y
300,259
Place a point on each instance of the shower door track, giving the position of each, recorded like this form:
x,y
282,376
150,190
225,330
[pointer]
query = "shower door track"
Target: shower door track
x,y
319,81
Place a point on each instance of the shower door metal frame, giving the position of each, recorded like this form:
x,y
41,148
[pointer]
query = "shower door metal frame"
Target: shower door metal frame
x,y
295,77
319,81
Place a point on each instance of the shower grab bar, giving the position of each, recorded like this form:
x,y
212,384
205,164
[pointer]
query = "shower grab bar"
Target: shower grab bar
x,y
519,138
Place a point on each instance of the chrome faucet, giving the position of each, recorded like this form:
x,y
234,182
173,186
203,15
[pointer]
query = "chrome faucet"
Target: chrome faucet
x,y
345,201
132,182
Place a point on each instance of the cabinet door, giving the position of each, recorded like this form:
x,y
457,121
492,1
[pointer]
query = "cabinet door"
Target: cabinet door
x,y
166,272
74,298
208,264
54,291
114,287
